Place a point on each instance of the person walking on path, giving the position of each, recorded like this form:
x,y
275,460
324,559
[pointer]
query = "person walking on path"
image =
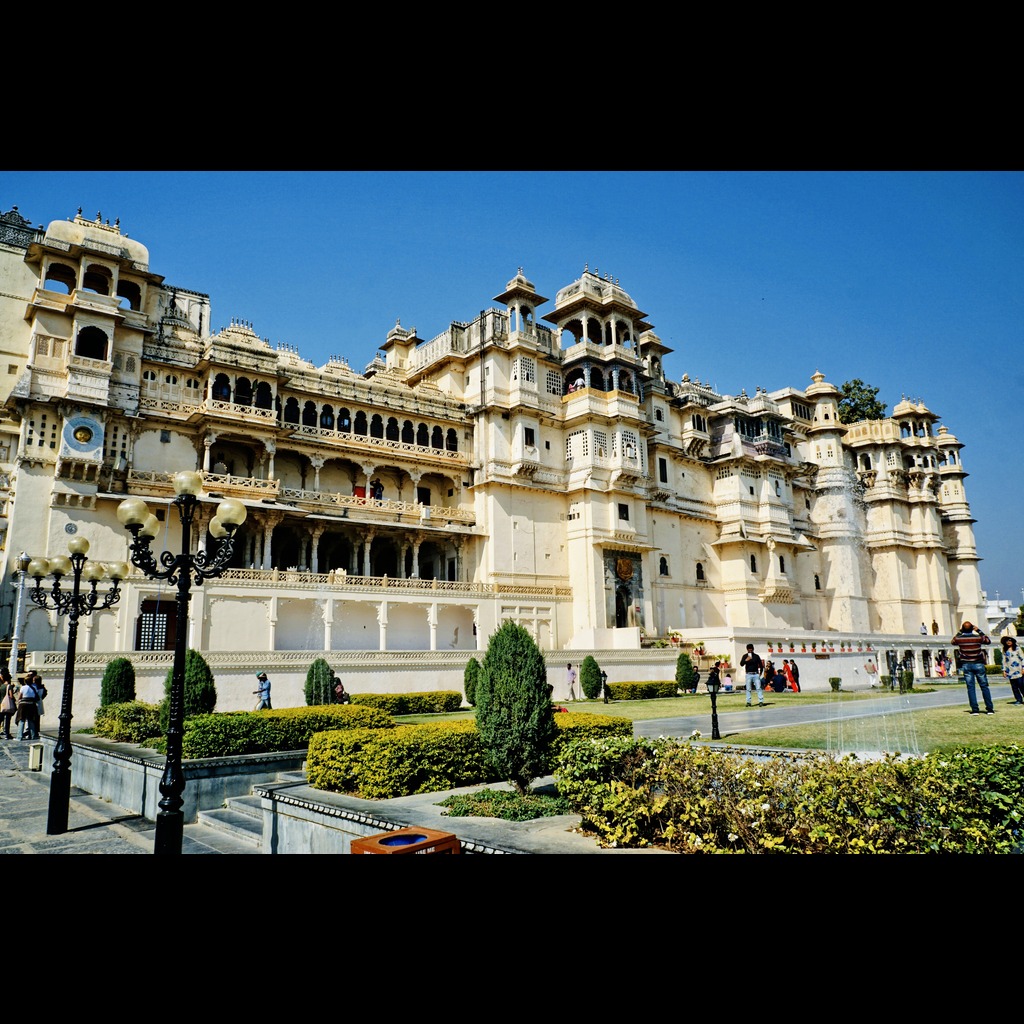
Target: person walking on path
x,y
570,678
8,701
752,664
970,642
262,691
1013,667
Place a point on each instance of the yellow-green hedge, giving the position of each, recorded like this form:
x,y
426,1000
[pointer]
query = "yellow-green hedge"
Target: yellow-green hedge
x,y
129,722
257,732
426,703
382,764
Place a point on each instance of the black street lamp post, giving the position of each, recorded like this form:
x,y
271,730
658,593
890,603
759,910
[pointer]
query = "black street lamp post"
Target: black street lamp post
x,y
74,605
713,685
179,570
604,685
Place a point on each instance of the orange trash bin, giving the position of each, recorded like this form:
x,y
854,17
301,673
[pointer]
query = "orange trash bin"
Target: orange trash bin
x,y
408,840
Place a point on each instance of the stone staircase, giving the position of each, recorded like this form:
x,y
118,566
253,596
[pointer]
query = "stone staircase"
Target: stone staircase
x,y
237,827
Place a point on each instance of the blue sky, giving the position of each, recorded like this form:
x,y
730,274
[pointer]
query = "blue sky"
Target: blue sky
x,y
911,281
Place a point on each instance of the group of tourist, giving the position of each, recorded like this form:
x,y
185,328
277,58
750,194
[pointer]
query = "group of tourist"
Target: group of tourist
x,y
766,675
21,705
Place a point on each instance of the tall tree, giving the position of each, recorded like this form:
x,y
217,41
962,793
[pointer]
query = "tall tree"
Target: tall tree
x,y
859,401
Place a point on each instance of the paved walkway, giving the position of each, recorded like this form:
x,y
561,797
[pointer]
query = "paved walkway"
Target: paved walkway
x,y
95,826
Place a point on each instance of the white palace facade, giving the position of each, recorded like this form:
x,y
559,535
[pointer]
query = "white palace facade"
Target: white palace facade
x,y
532,463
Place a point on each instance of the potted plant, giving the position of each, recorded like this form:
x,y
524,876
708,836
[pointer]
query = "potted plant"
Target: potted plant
x,y
803,648
814,646
835,682
792,647
769,647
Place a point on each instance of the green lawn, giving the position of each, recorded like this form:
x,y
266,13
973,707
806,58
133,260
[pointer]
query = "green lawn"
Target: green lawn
x,y
904,731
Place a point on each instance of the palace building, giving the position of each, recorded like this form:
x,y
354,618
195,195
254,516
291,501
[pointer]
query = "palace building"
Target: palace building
x,y
531,463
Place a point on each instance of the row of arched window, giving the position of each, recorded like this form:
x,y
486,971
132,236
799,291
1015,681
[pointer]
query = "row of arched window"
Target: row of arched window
x,y
326,417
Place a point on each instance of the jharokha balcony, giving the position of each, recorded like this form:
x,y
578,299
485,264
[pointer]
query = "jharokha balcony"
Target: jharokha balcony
x,y
346,506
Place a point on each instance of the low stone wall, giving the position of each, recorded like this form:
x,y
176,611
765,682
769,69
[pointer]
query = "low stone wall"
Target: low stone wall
x,y
129,776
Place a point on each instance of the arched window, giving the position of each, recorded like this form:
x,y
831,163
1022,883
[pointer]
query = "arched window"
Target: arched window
x,y
361,423
753,563
96,279
663,566
59,278
817,582
436,438
264,396
309,414
222,388
451,441
391,431
91,343
700,571
291,411
327,417
345,421
243,391
377,426
130,293
408,432
423,436
782,564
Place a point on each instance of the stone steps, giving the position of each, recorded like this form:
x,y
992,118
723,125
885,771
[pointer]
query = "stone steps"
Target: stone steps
x,y
237,827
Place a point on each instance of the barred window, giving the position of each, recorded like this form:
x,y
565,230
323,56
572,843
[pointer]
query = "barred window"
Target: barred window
x,y
577,445
527,369
554,383
601,443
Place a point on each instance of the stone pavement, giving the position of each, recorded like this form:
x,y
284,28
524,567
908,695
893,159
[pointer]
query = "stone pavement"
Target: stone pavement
x,y
94,825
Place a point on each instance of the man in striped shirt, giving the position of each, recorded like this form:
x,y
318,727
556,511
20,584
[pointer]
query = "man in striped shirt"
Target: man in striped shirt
x,y
969,642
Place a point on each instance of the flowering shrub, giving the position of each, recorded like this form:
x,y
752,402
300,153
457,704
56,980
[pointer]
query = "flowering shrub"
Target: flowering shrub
x,y
690,798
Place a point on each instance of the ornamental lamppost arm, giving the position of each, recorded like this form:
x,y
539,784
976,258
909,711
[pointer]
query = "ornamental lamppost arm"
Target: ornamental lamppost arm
x,y
73,604
179,570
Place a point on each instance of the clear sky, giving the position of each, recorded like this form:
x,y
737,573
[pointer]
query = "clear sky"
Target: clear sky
x,y
911,281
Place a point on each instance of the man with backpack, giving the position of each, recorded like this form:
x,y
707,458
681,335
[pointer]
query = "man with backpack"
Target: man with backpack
x,y
752,664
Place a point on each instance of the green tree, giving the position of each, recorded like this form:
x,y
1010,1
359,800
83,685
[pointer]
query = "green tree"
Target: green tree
x,y
319,687
118,683
685,672
859,401
469,679
200,692
513,710
590,678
